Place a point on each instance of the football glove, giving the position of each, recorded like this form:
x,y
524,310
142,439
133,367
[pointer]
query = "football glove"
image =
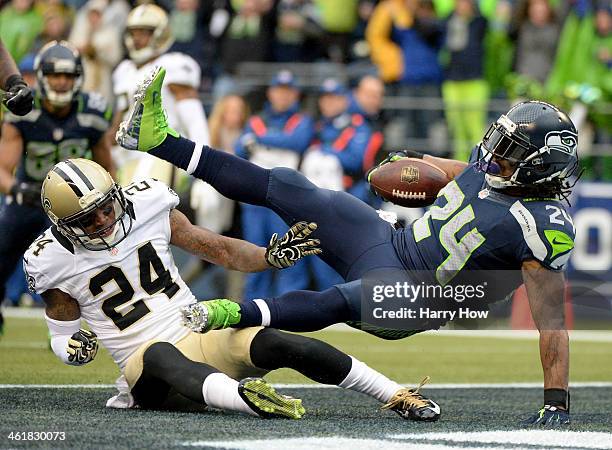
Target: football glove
x,y
18,98
549,417
286,251
24,193
82,347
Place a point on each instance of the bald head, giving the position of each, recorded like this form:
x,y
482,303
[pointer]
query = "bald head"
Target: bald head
x,y
369,94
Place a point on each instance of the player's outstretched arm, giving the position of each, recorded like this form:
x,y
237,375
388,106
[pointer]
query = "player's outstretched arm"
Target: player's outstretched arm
x,y
545,290
18,98
451,167
72,344
236,254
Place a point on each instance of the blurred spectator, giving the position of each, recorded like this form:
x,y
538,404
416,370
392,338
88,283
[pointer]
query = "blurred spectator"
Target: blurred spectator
x,y
248,37
336,158
26,67
20,25
367,100
276,137
583,75
465,92
298,21
536,33
226,122
188,27
100,45
57,22
344,134
339,20
499,51
404,38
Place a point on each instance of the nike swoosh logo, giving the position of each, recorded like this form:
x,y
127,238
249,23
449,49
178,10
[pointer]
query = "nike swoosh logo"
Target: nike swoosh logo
x,y
435,408
556,242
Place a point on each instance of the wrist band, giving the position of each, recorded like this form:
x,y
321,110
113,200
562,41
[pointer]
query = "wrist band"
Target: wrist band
x,y
557,397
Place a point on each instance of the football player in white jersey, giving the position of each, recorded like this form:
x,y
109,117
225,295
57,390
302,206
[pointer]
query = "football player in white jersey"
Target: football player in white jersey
x,y
148,38
107,260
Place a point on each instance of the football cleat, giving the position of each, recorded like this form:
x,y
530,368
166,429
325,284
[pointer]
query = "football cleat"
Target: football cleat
x,y
147,124
410,404
210,315
266,402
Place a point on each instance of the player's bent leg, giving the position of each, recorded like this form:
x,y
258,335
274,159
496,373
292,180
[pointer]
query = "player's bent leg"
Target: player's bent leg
x,y
272,349
292,311
165,367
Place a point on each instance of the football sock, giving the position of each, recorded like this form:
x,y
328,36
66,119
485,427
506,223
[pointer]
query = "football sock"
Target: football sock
x,y
221,391
366,380
164,361
272,349
234,177
297,311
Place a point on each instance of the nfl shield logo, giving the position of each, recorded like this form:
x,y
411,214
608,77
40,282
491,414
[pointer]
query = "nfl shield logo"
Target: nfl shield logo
x,y
58,134
114,251
409,174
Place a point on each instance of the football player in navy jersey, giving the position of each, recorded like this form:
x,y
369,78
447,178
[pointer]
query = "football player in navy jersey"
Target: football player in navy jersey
x,y
64,123
503,211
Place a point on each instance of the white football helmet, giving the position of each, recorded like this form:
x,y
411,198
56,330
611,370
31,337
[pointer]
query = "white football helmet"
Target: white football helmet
x,y
151,17
71,194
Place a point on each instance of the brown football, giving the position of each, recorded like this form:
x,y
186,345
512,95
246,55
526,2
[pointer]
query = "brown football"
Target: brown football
x,y
409,182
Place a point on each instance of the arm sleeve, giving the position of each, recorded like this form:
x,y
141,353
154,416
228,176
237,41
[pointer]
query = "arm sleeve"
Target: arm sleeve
x,y
61,331
547,233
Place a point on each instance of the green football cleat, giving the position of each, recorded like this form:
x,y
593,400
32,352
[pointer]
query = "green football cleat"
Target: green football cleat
x,y
266,402
146,126
211,315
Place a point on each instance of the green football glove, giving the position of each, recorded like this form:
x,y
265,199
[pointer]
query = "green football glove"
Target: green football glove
x,y
82,347
286,251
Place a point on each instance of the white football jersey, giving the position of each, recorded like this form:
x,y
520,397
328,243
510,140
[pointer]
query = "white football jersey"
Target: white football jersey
x,y
180,69
130,294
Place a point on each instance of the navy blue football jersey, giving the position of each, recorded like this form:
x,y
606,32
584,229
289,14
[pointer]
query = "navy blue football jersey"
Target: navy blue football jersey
x,y
48,140
473,227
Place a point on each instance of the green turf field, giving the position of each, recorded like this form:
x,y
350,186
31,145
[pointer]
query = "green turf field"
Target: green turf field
x,y
335,418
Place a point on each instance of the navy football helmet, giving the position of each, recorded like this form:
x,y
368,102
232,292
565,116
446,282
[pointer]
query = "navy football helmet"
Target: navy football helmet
x,y
540,143
55,58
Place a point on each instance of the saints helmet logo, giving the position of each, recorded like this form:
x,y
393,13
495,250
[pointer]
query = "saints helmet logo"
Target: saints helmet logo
x,y
563,141
46,204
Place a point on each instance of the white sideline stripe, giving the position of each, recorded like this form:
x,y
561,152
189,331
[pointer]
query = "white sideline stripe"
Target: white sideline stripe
x,y
549,439
579,384
576,335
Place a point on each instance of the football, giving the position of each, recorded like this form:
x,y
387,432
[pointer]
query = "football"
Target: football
x,y
408,182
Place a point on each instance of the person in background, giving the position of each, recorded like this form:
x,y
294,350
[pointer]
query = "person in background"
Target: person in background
x,y
405,37
275,137
298,23
536,32
20,24
465,91
148,39
247,37
367,100
339,19
100,45
65,122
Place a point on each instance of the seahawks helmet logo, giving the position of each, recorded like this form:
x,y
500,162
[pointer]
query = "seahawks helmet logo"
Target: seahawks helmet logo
x,y
563,141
